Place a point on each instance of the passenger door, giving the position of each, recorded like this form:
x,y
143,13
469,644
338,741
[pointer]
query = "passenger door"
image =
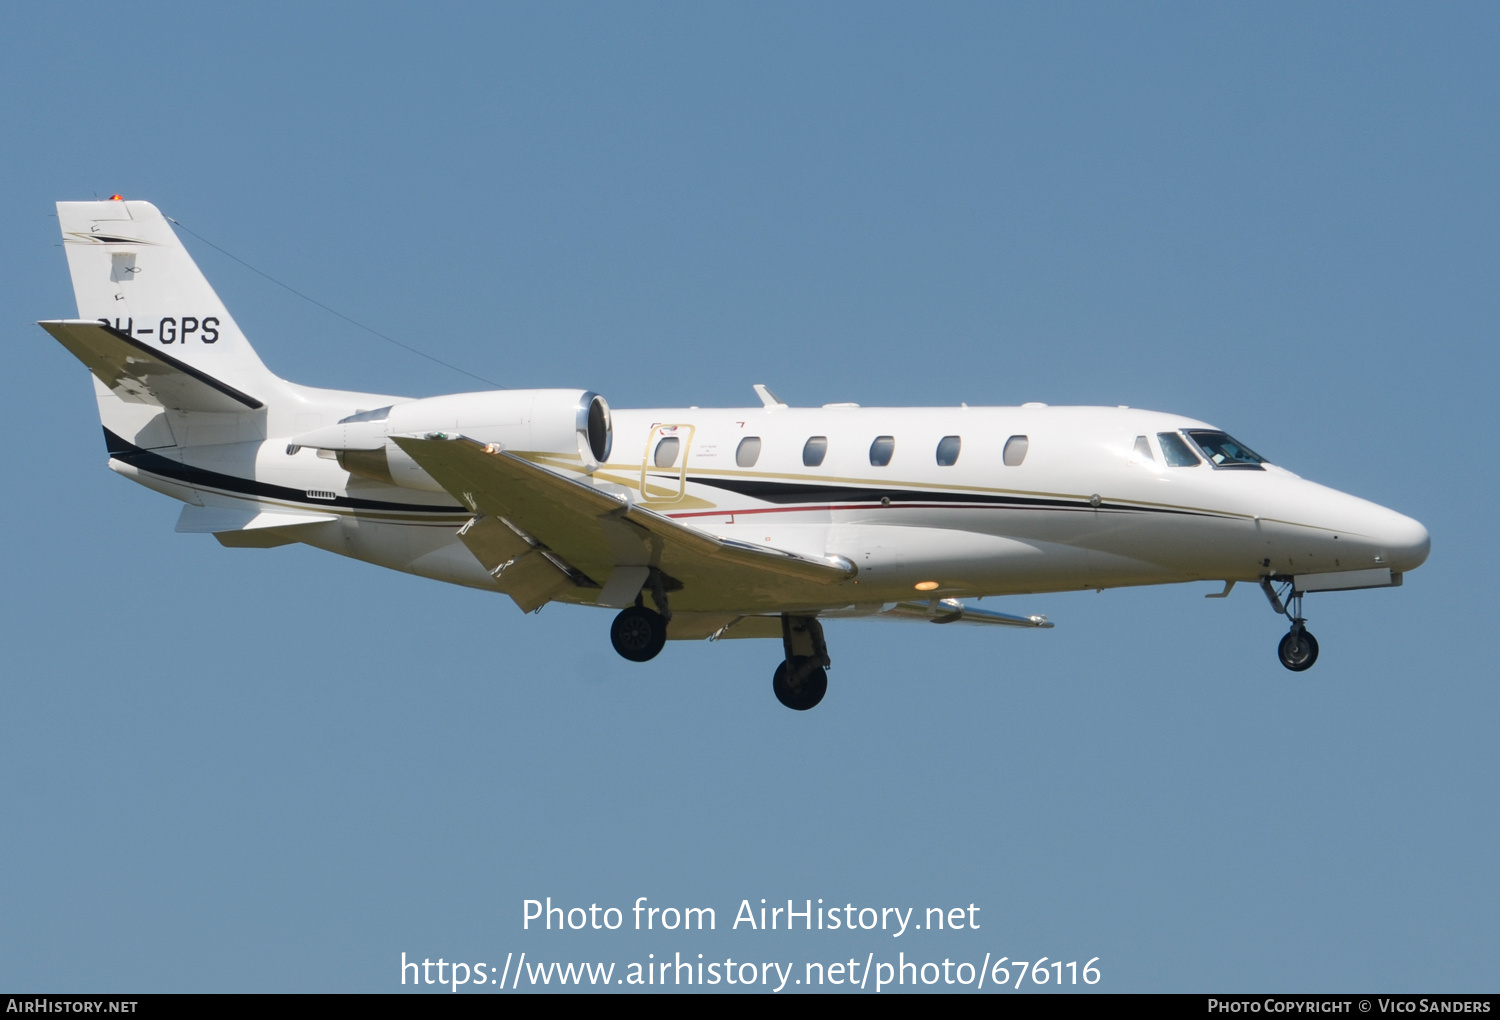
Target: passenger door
x,y
664,466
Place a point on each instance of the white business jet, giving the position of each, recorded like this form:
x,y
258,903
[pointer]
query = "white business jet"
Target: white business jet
x,y
755,522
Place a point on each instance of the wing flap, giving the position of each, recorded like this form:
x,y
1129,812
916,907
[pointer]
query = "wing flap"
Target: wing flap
x,y
519,568
140,374
532,580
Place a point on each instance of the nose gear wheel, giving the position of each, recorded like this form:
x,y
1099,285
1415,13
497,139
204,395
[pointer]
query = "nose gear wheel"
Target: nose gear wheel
x,y
1298,650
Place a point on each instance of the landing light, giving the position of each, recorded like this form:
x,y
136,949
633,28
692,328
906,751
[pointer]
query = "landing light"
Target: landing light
x,y
926,585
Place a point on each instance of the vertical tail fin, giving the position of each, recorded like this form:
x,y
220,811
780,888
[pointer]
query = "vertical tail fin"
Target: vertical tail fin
x,y
131,271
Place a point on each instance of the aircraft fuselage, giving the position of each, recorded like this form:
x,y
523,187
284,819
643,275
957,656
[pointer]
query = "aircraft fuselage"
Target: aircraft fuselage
x,y
1085,507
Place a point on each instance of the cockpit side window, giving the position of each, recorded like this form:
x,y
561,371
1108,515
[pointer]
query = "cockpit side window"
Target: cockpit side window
x,y
1225,452
1175,450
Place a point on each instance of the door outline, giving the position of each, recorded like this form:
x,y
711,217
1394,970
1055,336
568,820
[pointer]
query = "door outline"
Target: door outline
x,y
660,492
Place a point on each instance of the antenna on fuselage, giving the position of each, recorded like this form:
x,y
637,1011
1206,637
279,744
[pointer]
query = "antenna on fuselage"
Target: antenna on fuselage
x,y
767,397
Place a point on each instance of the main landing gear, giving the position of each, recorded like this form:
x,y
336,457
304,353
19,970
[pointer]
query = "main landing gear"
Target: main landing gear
x,y
1298,649
802,679
637,633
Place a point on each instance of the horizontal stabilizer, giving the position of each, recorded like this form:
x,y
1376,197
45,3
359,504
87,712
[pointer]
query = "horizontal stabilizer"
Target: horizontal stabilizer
x,y
139,374
211,520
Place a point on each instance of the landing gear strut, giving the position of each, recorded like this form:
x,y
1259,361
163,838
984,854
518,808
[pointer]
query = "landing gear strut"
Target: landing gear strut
x,y
1298,649
637,633
801,680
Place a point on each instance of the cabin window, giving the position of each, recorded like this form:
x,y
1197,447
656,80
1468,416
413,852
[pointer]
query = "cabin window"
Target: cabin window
x,y
666,452
1224,452
947,450
881,450
1175,450
814,451
1143,450
1015,450
748,452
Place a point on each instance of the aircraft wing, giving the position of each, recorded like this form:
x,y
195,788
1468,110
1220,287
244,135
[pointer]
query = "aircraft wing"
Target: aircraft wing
x,y
144,375
610,541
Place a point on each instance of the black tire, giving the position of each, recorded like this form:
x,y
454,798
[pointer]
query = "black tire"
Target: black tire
x,y
804,695
638,634
1298,650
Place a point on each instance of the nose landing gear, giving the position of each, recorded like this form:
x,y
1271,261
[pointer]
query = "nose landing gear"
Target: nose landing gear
x,y
1298,649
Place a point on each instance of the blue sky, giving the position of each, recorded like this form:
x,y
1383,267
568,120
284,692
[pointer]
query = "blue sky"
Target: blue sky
x,y
278,769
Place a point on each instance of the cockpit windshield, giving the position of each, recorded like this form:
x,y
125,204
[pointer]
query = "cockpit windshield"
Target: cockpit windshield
x,y
1223,451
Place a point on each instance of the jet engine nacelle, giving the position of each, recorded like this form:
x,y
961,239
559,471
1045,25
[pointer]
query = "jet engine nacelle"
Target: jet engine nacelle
x,y
570,424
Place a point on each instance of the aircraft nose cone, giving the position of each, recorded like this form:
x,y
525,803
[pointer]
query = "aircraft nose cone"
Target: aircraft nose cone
x,y
1406,541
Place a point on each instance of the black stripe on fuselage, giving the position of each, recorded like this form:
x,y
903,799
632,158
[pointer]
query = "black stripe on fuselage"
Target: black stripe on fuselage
x,y
821,494
127,452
